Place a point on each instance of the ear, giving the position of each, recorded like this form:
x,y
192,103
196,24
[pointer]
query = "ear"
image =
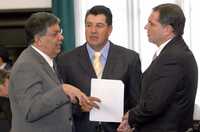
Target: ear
x,y
168,30
110,28
37,40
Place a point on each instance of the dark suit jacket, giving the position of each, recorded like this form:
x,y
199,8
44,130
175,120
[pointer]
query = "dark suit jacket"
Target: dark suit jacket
x,y
38,102
168,91
5,114
122,64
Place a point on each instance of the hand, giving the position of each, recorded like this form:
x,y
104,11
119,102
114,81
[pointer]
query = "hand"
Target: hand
x,y
75,94
125,117
87,107
124,125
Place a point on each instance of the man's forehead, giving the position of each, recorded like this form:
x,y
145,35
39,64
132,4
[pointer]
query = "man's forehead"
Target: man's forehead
x,y
99,17
154,17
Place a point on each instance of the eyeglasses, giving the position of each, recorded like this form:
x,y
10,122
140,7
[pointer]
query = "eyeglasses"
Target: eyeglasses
x,y
54,34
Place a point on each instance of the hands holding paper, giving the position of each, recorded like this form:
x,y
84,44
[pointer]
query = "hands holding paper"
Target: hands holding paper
x,y
124,126
77,96
91,104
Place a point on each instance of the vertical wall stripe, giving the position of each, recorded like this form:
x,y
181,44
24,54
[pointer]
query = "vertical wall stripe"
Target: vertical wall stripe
x,y
64,9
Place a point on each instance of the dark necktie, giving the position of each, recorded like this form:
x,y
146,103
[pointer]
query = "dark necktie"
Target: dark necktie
x,y
56,71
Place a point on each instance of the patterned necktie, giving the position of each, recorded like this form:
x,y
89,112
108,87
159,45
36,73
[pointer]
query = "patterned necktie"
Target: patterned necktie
x,y
97,64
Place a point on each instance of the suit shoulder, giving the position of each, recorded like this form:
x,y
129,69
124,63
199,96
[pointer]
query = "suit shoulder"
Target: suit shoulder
x,y
181,51
125,51
72,53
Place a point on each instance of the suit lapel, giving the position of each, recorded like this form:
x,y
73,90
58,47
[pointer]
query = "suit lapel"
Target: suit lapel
x,y
164,52
85,62
111,62
45,65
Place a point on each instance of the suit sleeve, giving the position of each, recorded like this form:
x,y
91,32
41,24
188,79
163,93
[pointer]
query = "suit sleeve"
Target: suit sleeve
x,y
65,76
27,87
134,81
158,95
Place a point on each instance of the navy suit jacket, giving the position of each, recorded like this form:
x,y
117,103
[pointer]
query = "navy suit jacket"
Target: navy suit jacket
x,y
122,64
168,91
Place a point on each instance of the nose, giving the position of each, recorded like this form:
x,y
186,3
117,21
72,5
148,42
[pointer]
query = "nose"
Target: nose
x,y
61,37
93,29
146,26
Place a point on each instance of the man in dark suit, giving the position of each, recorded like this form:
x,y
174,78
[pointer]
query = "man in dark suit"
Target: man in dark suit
x,y
116,63
169,84
39,102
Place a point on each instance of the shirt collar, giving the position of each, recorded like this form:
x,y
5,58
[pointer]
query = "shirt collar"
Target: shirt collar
x,y
46,57
161,47
103,51
3,66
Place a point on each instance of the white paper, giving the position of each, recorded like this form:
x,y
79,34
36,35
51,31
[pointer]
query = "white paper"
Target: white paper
x,y
111,94
196,114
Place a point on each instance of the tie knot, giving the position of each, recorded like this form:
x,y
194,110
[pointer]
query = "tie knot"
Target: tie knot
x,y
97,55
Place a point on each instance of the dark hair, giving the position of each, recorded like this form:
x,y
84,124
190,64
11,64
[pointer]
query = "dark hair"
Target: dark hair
x,y
38,24
172,14
4,55
3,75
97,10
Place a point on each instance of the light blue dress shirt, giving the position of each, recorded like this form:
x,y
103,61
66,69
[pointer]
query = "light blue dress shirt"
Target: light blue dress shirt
x,y
104,53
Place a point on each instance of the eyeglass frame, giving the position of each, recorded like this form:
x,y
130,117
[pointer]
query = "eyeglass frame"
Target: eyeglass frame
x,y
54,34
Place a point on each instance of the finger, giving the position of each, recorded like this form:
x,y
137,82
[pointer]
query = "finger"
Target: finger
x,y
95,105
94,99
123,124
92,103
72,99
120,127
124,129
86,108
83,99
125,117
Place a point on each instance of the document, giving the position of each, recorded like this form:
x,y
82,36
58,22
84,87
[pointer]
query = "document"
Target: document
x,y
111,94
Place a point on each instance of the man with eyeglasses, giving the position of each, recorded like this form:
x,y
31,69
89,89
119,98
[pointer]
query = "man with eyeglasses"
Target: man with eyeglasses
x,y
39,100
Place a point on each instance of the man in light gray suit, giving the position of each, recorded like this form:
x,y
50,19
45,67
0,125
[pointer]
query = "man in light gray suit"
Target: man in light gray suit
x,y
39,102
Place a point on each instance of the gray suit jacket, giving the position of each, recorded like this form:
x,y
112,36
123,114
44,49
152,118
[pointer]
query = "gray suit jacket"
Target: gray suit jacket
x,y
37,101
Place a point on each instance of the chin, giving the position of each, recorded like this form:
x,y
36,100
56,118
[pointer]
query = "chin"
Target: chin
x,y
93,44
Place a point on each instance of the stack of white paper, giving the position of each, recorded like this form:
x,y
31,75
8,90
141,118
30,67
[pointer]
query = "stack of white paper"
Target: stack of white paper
x,y
111,94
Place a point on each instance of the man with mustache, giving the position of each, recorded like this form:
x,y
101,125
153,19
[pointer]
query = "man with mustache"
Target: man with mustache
x,y
115,62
